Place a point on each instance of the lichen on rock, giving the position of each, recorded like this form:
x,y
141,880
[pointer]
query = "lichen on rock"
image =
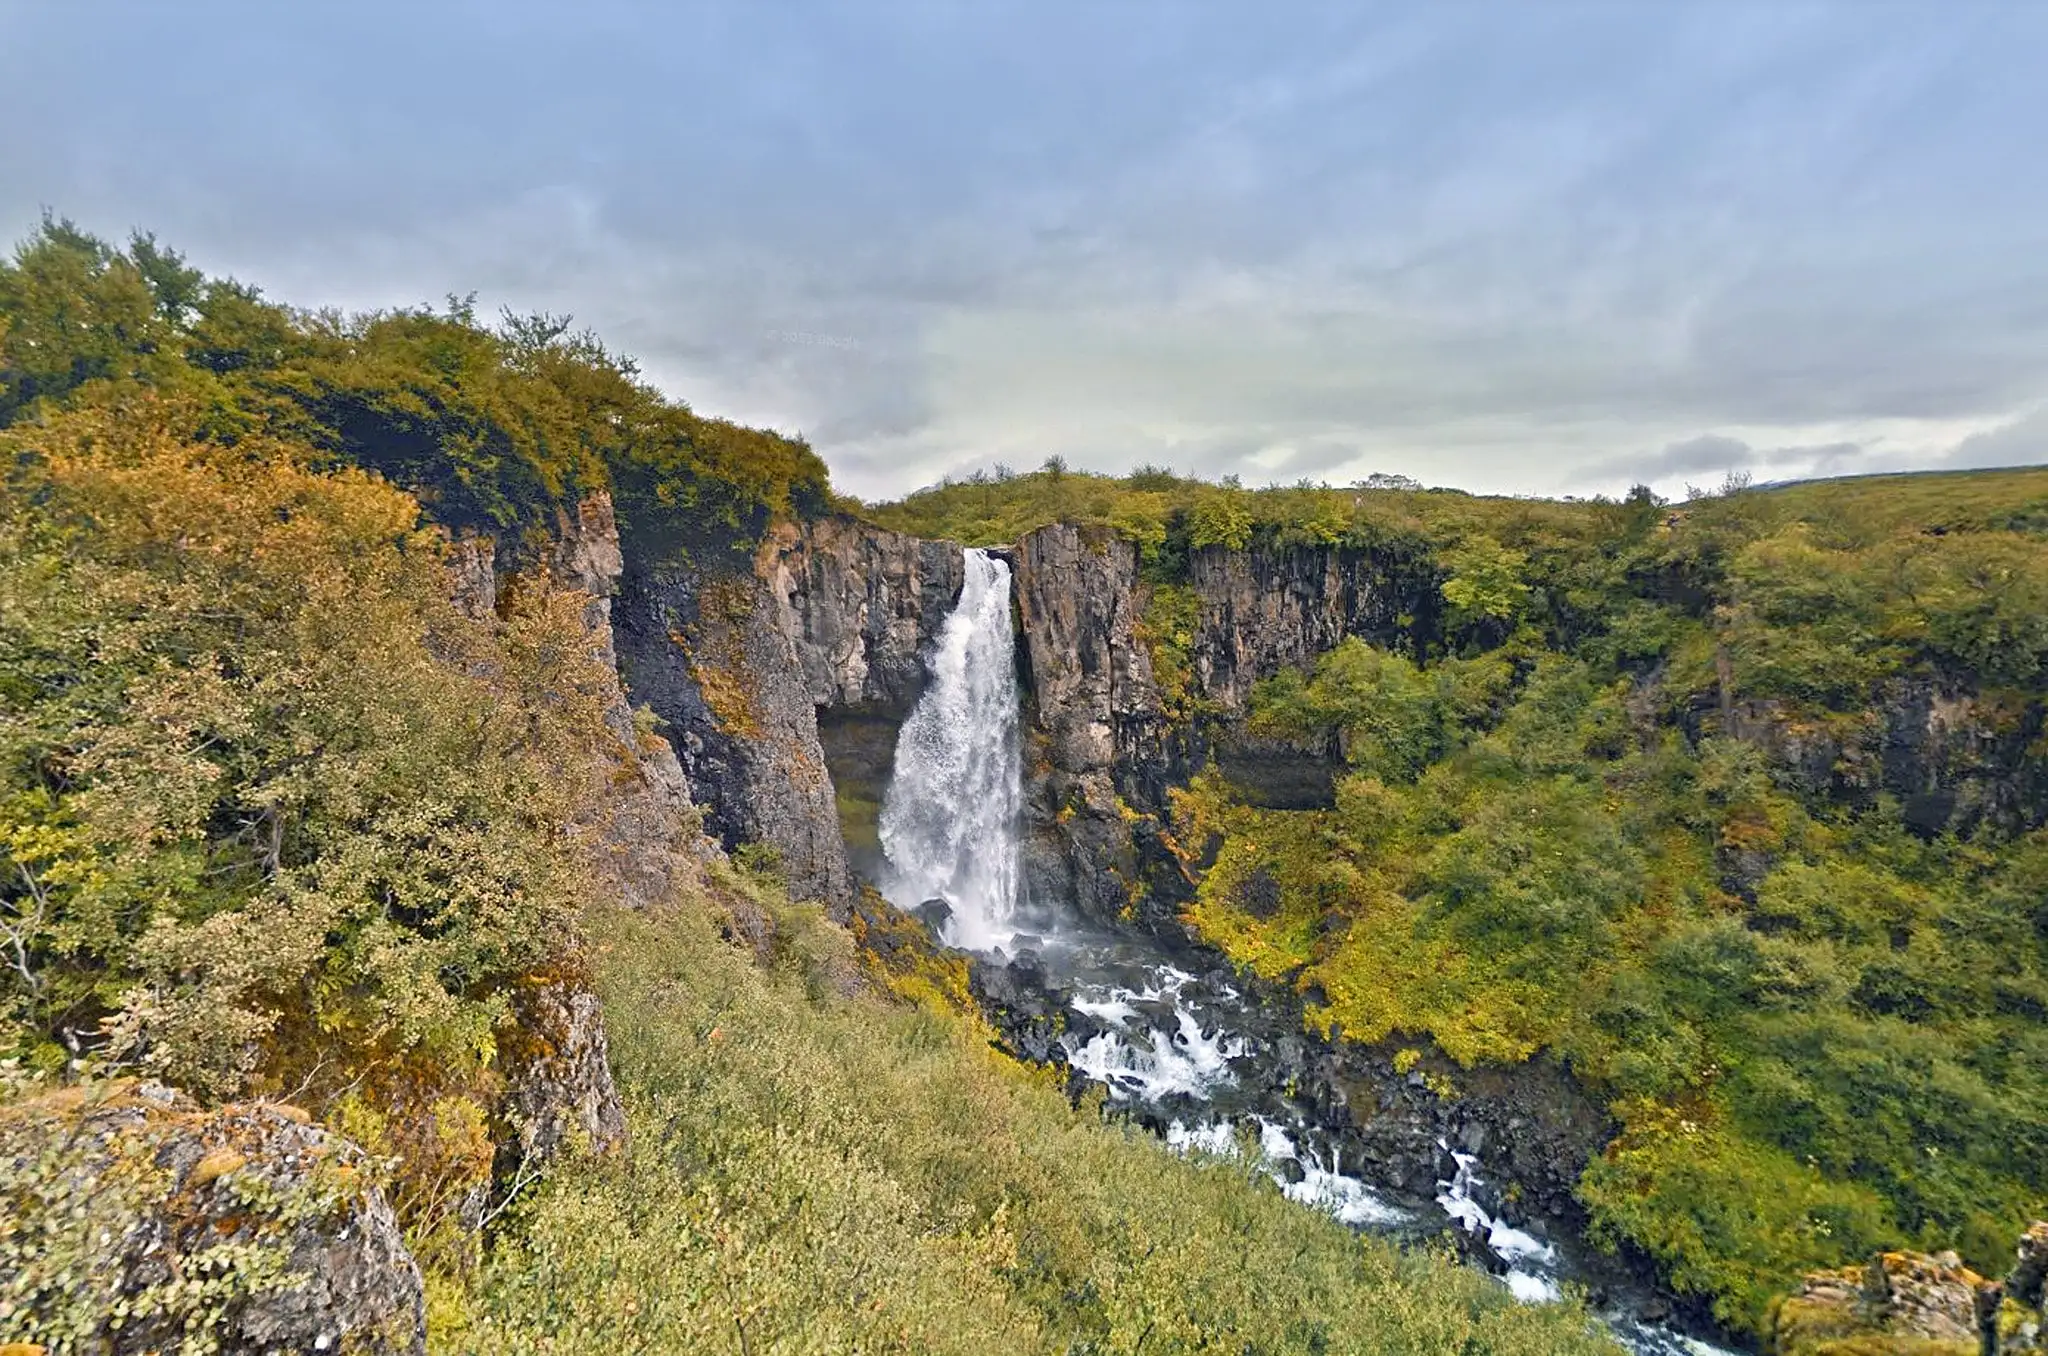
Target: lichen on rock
x,y
1914,1304
559,1088
133,1221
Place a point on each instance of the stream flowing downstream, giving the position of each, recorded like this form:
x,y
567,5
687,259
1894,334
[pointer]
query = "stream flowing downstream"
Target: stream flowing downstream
x,y
1172,1038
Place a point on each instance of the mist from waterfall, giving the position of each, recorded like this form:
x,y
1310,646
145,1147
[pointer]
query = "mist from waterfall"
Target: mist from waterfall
x,y
950,818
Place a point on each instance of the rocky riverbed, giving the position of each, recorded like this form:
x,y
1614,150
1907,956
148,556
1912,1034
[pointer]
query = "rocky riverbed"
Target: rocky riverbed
x,y
1388,1138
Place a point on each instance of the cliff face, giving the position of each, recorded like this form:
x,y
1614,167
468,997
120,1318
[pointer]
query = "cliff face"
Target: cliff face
x,y
645,838
708,654
1953,757
1091,678
646,833
783,686
782,683
1096,723
861,604
1264,610
1106,753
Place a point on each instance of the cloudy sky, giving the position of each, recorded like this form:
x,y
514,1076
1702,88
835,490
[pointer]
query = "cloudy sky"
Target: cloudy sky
x,y
1523,247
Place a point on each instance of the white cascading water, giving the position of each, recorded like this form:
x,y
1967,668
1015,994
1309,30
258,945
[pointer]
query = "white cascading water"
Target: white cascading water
x,y
950,817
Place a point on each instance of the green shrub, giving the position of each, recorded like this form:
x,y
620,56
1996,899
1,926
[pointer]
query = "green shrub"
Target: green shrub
x,y
1608,848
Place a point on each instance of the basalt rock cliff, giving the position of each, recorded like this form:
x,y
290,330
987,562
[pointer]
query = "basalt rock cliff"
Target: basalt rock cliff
x,y
1097,727
782,678
861,606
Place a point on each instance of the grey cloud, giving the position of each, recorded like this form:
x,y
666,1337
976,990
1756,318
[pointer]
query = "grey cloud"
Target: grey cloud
x,y
1712,454
2023,442
1506,248
1830,459
1708,452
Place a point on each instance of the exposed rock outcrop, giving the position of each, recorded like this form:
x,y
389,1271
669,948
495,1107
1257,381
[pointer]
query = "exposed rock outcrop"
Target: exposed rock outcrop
x,y
644,835
1078,603
708,653
2030,1268
472,569
862,604
647,829
558,1076
581,551
1106,753
1913,1304
1266,609
1953,758
131,1221
584,551
1097,731
1957,758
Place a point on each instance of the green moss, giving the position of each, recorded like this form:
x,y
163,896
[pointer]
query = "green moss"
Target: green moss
x,y
1167,627
860,820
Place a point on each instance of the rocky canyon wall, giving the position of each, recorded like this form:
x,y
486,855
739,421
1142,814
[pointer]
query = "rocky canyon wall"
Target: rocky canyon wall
x,y
1262,610
784,679
1107,748
1096,726
706,652
861,605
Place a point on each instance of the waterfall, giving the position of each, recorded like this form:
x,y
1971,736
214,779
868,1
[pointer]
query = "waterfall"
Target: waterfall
x,y
950,817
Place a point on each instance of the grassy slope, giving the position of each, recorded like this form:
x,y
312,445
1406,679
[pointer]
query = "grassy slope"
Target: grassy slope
x,y
815,1173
